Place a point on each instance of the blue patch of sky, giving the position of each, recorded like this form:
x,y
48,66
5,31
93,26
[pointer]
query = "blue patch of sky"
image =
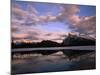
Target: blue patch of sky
x,y
41,8
86,10
54,27
44,8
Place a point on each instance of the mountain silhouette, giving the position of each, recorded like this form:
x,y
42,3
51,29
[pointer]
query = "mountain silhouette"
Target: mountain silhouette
x,y
73,40
48,43
70,40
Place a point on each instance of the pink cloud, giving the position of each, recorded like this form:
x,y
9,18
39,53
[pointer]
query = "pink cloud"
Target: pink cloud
x,y
88,24
74,19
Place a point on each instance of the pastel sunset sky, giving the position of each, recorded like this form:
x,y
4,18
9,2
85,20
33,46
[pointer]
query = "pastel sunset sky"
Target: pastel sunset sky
x,y
37,21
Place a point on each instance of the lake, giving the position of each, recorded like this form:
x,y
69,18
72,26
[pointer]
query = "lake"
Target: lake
x,y
38,63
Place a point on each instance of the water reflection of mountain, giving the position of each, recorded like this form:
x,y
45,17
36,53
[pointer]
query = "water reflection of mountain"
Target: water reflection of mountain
x,y
35,63
70,40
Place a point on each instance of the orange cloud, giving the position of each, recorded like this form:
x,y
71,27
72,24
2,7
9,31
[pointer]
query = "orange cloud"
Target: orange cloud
x,y
20,36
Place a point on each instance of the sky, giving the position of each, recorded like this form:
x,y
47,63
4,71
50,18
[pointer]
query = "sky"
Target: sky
x,y
38,21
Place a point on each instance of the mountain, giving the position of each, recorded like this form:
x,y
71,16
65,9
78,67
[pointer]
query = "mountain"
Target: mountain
x,y
73,40
48,43
70,40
